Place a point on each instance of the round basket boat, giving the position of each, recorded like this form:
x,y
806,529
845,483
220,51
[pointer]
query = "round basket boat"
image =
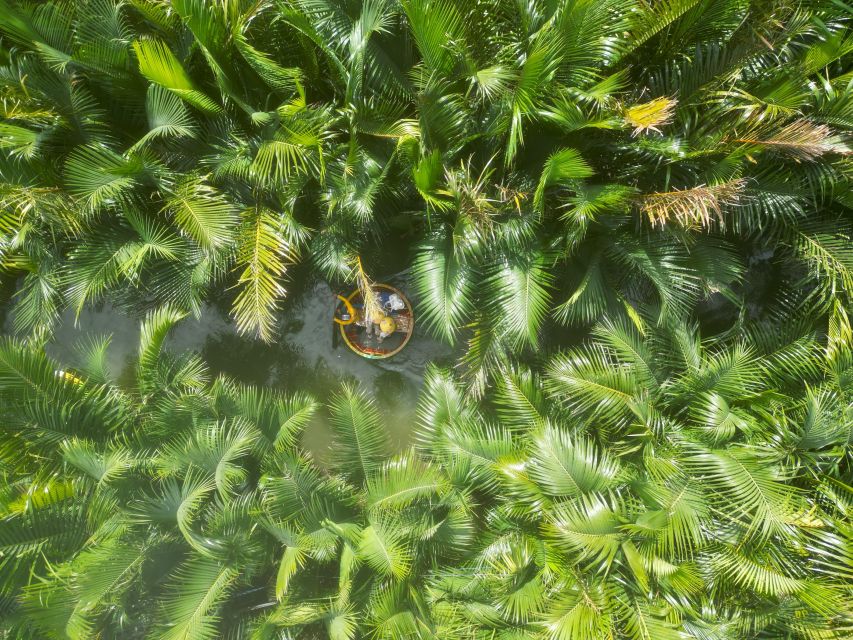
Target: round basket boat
x,y
354,334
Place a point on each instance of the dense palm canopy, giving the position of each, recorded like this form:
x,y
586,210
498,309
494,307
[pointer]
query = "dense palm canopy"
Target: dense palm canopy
x,y
632,217
556,160
642,487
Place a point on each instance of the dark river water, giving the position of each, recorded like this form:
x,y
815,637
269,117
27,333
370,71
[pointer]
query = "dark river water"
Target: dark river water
x,y
305,356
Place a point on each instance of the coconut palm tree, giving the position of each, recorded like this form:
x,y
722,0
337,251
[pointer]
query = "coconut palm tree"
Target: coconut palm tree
x,y
559,159
638,486
629,152
153,151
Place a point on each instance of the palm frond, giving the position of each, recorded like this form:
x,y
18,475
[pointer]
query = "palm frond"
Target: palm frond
x,y
444,282
20,141
196,591
101,177
385,550
537,70
434,25
590,381
589,33
153,334
570,467
755,493
518,397
215,451
267,244
159,65
403,481
694,206
357,426
202,213
648,116
801,139
828,255
101,466
561,167
520,291
589,527
168,117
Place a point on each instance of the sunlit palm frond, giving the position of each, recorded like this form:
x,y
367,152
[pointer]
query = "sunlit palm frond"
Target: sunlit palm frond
x,y
202,213
755,493
444,282
358,427
385,550
521,298
268,243
801,139
403,481
649,116
827,251
537,70
101,177
102,466
168,117
159,65
562,166
215,451
196,591
153,334
566,466
435,25
590,380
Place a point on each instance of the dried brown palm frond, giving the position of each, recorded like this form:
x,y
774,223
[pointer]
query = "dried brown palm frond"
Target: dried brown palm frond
x,y
690,207
372,307
649,116
800,139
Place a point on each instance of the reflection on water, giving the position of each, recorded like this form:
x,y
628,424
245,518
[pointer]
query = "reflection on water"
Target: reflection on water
x,y
305,356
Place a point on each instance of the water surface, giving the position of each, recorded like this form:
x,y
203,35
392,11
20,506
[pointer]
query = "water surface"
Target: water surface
x,y
305,356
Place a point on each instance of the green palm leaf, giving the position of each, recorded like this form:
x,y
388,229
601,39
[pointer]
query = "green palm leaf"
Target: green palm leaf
x,y
168,117
155,328
590,381
521,298
444,283
101,177
159,65
402,482
101,466
582,613
359,432
267,244
540,65
215,451
754,492
433,24
518,398
103,574
384,550
196,592
202,213
560,167
566,466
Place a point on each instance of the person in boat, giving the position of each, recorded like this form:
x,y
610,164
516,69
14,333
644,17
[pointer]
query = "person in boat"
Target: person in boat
x,y
382,323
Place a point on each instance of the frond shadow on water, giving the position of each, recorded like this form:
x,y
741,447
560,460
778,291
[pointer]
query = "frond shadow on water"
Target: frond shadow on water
x,y
306,357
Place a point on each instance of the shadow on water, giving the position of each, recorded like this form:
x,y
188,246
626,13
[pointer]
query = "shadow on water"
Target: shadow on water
x,y
304,357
